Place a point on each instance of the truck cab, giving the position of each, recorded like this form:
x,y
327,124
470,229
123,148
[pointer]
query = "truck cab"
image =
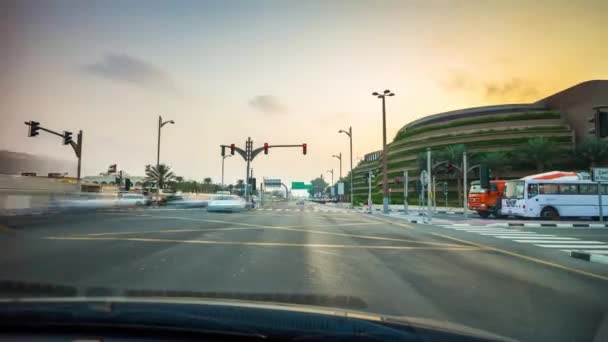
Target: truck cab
x,y
486,201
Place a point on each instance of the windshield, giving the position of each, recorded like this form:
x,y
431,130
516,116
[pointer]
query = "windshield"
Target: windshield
x,y
514,190
324,153
476,188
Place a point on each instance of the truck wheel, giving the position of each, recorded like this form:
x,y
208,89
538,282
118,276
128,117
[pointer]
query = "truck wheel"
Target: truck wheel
x,y
483,214
549,213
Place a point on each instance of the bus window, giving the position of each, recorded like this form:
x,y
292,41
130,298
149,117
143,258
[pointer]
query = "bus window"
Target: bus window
x,y
532,190
568,189
588,189
547,189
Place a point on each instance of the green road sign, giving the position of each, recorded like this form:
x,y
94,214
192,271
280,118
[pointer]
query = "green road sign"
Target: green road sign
x,y
300,186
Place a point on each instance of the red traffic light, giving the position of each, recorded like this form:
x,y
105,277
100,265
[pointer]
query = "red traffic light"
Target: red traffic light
x,y
449,166
265,148
304,148
232,149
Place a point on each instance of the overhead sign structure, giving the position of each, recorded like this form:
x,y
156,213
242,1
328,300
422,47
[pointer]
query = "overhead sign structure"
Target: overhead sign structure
x,y
272,182
341,188
600,174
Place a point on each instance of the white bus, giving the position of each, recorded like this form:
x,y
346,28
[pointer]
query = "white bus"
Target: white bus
x,y
553,198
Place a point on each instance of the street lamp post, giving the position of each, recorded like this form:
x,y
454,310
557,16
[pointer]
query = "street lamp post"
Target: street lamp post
x,y
385,193
350,137
224,158
339,157
161,123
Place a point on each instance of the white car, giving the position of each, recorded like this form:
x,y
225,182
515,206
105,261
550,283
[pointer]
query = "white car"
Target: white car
x,y
132,199
230,203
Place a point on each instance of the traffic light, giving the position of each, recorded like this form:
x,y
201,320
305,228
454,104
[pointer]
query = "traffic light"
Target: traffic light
x,y
112,168
67,137
128,184
265,148
232,149
34,127
304,148
484,177
603,124
252,183
223,151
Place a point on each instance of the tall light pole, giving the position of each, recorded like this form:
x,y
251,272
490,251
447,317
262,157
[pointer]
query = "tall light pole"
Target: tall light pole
x,y
223,158
385,193
339,157
161,123
350,137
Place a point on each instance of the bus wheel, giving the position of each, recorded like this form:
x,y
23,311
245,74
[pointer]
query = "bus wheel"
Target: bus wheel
x,y
483,214
549,213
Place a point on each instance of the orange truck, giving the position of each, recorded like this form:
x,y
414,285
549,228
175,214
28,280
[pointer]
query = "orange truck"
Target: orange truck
x,y
486,201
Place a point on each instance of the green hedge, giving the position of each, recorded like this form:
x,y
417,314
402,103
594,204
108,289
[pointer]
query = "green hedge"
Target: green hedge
x,y
473,121
481,143
555,129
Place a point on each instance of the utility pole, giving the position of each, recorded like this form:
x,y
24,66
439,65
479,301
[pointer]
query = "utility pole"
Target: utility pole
x,y
369,193
464,171
223,158
161,123
385,193
350,136
428,183
405,192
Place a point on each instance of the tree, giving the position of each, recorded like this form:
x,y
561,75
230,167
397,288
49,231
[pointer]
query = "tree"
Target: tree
x,y
207,181
318,185
159,176
538,151
496,161
593,151
453,155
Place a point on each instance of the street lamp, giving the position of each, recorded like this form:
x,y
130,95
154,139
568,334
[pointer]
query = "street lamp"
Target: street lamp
x,y
385,194
350,137
161,123
339,157
223,158
332,176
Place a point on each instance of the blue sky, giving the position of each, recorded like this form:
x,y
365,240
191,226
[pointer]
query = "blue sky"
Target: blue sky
x,y
279,71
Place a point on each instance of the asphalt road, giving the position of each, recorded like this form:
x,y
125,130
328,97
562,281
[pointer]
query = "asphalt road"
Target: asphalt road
x,y
314,256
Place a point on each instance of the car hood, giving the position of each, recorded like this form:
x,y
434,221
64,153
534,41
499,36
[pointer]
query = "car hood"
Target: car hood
x,y
241,310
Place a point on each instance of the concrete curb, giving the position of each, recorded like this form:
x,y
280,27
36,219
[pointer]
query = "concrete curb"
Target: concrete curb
x,y
602,259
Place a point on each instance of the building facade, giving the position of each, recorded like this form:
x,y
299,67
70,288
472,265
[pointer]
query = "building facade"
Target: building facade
x,y
562,118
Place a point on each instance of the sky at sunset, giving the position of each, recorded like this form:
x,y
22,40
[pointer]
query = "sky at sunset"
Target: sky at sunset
x,y
282,72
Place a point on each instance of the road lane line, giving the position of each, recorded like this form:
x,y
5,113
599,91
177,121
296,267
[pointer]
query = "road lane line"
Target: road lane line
x,y
265,244
525,257
168,231
535,238
575,246
544,241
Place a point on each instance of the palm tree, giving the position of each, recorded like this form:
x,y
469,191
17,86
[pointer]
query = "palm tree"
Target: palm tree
x,y
207,181
538,151
496,161
159,176
593,151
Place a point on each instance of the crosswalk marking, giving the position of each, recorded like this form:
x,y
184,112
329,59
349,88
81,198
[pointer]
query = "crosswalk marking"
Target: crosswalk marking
x,y
565,244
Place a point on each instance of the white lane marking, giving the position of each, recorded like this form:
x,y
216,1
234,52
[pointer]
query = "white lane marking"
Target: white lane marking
x,y
523,236
577,246
509,234
530,238
587,251
545,241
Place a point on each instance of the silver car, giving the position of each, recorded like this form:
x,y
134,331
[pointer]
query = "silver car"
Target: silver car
x,y
228,203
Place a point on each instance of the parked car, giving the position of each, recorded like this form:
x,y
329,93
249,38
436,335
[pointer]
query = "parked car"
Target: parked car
x,y
228,203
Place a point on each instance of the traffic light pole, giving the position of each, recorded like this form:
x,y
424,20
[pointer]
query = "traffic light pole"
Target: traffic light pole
x,y
464,167
76,146
249,153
